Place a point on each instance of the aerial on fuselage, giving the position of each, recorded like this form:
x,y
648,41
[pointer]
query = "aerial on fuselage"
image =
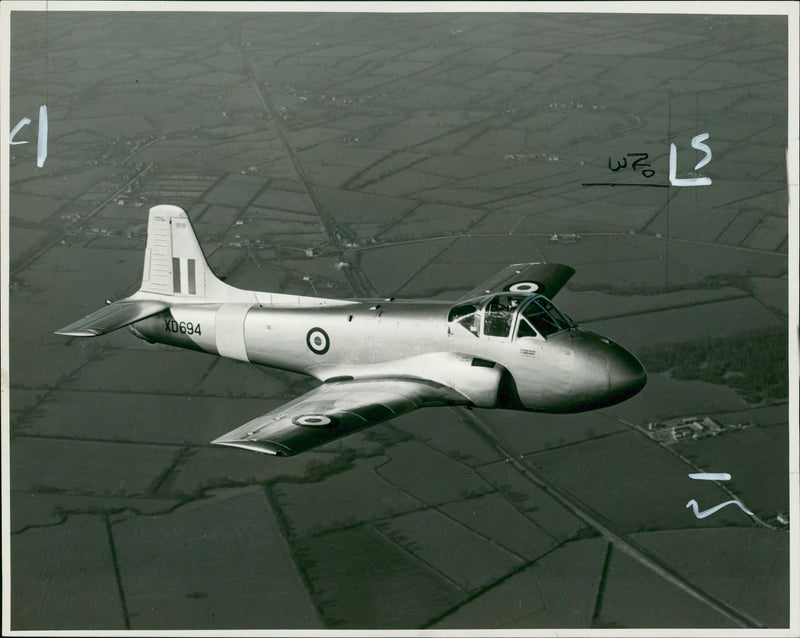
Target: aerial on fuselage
x,y
502,345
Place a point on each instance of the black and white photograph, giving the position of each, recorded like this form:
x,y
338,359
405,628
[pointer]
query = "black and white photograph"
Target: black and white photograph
x,y
324,317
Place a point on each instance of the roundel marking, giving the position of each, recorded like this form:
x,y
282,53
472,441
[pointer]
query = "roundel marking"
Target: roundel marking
x,y
313,420
524,286
317,341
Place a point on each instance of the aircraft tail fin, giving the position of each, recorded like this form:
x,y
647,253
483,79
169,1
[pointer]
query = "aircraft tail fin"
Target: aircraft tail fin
x,y
175,271
174,263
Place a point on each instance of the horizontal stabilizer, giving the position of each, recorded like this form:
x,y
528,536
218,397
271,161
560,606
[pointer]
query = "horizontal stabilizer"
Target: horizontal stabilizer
x,y
116,315
542,279
334,409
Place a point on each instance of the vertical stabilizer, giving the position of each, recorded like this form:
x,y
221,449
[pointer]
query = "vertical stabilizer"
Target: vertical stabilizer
x,y
174,263
176,271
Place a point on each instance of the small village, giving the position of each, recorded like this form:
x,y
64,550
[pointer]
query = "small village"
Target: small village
x,y
689,427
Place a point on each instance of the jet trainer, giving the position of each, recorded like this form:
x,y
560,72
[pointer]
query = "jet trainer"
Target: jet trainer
x,y
502,345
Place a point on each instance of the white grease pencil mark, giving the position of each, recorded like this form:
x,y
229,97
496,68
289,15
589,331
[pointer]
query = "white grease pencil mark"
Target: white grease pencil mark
x,y
23,122
697,143
710,476
41,148
711,510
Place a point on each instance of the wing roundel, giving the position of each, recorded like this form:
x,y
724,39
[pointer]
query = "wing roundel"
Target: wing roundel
x,y
333,410
543,279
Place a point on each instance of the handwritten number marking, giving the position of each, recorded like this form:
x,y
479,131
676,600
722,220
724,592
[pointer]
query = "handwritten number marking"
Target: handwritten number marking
x,y
638,164
642,157
621,164
23,122
41,144
697,143
713,476
711,510
710,476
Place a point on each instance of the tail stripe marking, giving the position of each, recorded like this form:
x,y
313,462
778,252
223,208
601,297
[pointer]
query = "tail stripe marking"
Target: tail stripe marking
x,y
190,269
176,275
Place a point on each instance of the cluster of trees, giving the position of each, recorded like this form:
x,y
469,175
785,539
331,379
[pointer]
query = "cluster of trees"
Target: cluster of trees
x,y
754,363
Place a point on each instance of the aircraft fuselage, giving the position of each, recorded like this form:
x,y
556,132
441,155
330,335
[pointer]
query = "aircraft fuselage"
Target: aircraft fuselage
x,y
573,370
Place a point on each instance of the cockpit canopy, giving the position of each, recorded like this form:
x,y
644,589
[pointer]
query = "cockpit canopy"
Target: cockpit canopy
x,y
500,314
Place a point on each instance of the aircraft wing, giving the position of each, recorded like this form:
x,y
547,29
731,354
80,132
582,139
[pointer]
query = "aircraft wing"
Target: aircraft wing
x,y
113,316
334,409
544,279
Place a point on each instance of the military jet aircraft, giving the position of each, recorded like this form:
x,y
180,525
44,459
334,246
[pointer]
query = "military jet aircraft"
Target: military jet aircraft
x,y
502,345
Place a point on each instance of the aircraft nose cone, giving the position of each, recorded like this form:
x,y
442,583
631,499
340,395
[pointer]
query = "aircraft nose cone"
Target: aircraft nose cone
x,y
626,374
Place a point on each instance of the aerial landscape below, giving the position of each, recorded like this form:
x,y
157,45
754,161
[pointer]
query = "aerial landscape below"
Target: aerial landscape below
x,y
401,156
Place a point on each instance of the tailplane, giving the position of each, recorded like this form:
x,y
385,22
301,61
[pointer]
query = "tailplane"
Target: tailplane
x,y
113,316
175,271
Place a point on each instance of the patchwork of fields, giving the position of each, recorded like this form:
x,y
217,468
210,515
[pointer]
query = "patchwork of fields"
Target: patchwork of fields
x,y
415,155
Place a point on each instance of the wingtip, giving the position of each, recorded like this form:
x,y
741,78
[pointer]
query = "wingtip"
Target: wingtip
x,y
84,332
264,447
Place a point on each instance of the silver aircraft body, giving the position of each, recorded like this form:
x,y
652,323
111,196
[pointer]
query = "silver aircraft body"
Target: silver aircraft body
x,y
503,345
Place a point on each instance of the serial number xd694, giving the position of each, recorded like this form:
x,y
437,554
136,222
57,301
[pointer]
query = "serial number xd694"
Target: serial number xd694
x,y
182,327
